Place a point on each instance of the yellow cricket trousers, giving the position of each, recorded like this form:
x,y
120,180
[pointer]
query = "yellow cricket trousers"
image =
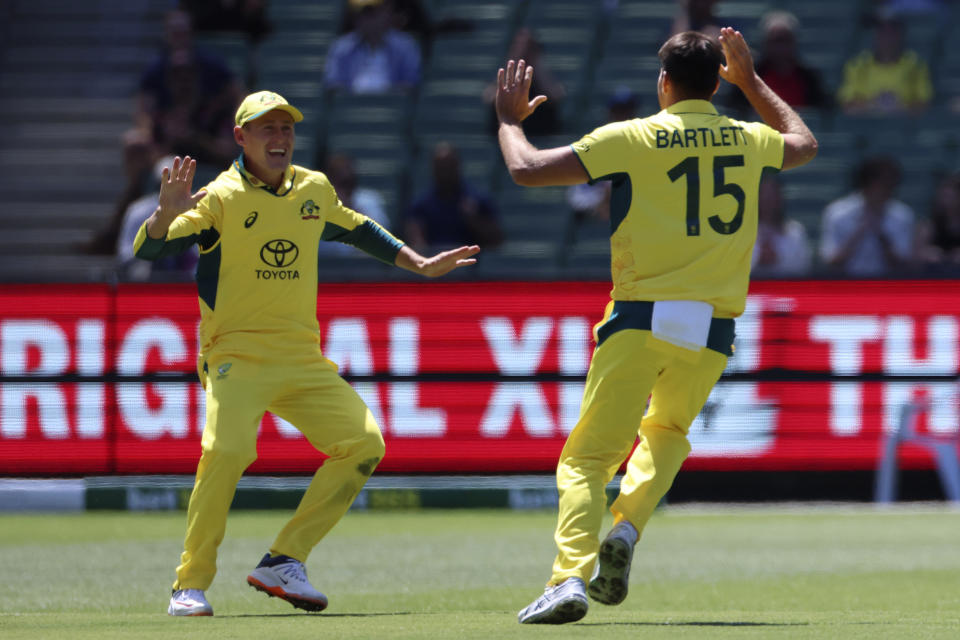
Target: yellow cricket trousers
x,y
627,368
308,393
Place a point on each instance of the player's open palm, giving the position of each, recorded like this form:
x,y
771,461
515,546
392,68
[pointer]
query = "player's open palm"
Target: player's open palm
x,y
513,101
739,68
446,261
175,185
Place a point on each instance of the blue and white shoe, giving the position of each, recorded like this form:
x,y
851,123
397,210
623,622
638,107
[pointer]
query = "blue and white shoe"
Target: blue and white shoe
x,y
611,576
559,604
286,578
189,602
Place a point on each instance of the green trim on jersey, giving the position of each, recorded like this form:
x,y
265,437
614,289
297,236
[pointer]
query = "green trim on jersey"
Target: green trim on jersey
x,y
289,178
621,195
156,248
368,236
149,248
208,276
638,314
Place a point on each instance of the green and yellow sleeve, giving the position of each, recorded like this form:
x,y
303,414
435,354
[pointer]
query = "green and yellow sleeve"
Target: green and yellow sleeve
x,y
345,225
198,226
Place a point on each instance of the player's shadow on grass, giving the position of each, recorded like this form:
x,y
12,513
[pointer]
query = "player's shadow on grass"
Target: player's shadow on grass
x,y
696,623
306,614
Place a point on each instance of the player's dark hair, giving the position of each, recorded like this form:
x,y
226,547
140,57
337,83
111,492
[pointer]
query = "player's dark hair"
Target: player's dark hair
x,y
692,60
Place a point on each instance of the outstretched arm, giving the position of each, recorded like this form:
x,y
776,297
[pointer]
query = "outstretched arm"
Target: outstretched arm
x,y
799,144
529,166
175,198
438,265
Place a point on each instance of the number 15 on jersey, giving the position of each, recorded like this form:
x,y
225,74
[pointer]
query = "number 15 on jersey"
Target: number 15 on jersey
x,y
690,167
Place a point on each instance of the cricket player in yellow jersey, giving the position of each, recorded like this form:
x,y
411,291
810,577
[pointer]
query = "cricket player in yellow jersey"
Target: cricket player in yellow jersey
x,y
683,222
259,225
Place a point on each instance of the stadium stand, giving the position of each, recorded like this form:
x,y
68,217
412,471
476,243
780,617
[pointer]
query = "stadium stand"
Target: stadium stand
x,y
568,33
291,62
67,72
450,103
374,130
821,22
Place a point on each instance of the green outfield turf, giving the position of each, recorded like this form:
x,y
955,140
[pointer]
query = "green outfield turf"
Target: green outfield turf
x,y
833,572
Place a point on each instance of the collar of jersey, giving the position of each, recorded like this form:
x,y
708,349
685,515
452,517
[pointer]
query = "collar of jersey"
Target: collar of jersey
x,y
288,177
692,106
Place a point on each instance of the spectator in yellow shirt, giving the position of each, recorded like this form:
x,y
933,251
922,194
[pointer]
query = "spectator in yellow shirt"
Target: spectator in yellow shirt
x,y
888,78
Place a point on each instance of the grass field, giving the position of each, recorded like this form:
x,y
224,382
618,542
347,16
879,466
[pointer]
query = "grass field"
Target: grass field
x,y
700,572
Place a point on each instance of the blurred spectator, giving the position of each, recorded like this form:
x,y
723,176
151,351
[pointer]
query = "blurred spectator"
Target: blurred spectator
x,y
779,65
411,16
374,57
939,237
622,104
783,248
185,105
187,98
546,119
697,15
177,267
592,201
339,170
888,78
248,17
451,212
868,232
914,7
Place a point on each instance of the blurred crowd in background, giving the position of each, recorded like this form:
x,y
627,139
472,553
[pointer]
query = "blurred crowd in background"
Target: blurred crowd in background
x,y
445,189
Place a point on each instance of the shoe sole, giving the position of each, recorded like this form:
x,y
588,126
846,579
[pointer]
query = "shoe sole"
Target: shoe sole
x,y
565,611
278,592
613,573
198,614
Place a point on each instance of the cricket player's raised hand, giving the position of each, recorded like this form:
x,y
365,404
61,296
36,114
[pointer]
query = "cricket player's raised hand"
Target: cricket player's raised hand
x,y
513,101
438,265
175,197
739,69
175,185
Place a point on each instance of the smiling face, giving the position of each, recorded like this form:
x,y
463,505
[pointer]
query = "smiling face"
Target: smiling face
x,y
267,145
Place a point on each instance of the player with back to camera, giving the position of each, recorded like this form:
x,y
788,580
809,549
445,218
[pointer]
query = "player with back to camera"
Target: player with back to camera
x,y
683,222
259,225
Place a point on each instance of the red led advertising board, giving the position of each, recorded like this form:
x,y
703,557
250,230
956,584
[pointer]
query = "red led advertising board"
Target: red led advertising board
x,y
475,377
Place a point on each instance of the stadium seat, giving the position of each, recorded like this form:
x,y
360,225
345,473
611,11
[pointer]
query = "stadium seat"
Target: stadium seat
x,y
374,131
945,451
67,73
631,36
568,31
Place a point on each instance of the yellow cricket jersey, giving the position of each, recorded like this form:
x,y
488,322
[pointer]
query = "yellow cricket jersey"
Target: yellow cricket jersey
x,y
683,209
898,85
257,273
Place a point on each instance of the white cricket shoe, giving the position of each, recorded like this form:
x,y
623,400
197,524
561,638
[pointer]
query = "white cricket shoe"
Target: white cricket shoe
x,y
565,602
189,602
611,576
286,578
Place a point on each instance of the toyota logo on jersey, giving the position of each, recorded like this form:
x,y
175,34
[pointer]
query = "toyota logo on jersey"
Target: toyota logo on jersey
x,y
279,253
